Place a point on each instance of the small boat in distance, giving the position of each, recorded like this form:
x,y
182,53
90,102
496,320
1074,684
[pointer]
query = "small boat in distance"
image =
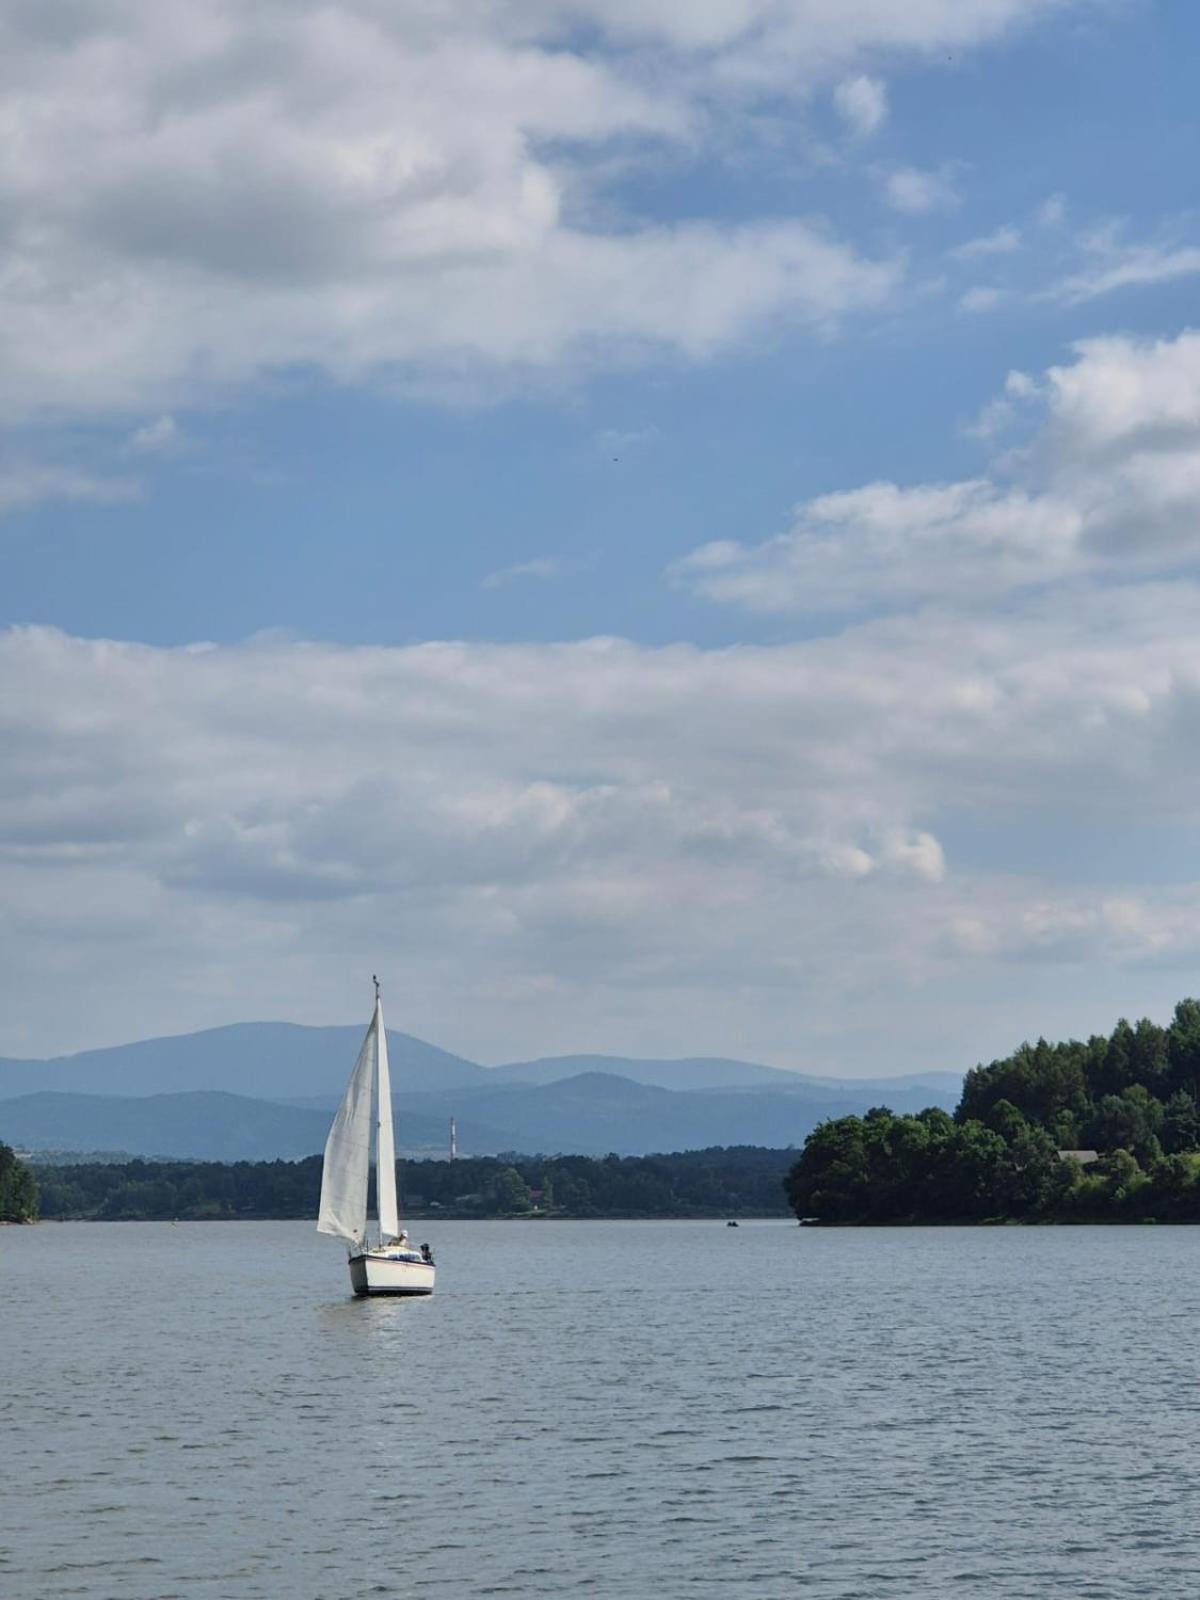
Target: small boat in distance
x,y
390,1266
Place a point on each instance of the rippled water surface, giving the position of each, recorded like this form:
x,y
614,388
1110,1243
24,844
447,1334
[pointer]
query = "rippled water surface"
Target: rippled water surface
x,y
629,1410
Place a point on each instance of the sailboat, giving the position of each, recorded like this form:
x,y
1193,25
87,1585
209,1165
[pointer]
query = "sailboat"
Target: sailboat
x,y
391,1265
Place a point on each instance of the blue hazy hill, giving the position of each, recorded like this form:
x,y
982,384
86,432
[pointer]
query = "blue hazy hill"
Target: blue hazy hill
x,y
266,1060
264,1090
205,1124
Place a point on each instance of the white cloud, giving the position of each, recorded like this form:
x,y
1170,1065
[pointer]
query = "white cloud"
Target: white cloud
x,y
983,297
598,844
862,104
616,442
1113,264
1052,212
538,567
1000,242
915,192
160,434
1109,483
195,197
25,484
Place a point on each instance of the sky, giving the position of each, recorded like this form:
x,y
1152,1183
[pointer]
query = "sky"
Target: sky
x,y
660,528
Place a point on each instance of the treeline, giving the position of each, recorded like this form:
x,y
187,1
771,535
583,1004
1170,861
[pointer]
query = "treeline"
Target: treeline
x,y
739,1181
1020,1143
18,1191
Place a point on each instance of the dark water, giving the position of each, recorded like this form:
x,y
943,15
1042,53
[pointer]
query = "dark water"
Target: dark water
x,y
631,1410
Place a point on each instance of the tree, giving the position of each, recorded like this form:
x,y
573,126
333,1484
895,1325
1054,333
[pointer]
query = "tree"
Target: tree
x,y
1126,1121
510,1191
18,1191
831,1179
1122,1178
970,1181
1006,1120
1035,1176
1183,1047
1181,1123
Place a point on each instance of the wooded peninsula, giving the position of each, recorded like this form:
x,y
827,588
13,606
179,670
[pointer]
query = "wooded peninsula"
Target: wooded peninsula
x,y
1102,1131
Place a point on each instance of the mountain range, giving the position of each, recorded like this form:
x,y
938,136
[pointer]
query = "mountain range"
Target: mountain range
x,y
265,1090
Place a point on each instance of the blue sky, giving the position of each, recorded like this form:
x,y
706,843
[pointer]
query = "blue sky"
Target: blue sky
x,y
834,359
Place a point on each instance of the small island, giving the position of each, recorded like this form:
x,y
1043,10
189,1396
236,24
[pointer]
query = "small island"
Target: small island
x,y
1106,1130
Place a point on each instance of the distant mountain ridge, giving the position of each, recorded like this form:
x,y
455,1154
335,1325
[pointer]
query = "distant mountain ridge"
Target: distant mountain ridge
x,y
270,1060
687,1072
205,1124
259,1091
295,1063
703,1072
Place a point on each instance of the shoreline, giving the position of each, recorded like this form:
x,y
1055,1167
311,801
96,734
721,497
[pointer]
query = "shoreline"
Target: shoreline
x,y
437,1216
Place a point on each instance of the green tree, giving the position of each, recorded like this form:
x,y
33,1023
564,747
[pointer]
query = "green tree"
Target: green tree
x,y
831,1180
1183,1048
1129,1121
18,1191
1181,1123
1006,1120
510,1192
1122,1178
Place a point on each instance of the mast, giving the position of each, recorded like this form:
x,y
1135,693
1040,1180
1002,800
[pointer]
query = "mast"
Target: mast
x,y
385,1139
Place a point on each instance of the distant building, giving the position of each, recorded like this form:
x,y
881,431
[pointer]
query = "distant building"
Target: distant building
x,y
1081,1158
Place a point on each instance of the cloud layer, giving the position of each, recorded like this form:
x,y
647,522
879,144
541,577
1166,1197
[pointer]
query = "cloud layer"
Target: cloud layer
x,y
594,844
195,197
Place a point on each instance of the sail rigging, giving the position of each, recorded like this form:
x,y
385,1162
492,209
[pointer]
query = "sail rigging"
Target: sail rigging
x,y
347,1166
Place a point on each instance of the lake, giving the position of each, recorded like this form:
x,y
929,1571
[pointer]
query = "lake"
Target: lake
x,y
642,1410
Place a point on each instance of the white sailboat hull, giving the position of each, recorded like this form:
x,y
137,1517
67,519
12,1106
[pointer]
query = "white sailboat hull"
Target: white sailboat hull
x,y
376,1272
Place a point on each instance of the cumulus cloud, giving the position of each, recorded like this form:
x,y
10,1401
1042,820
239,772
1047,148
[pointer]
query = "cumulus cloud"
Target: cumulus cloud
x,y
195,197
915,192
595,844
1108,483
862,104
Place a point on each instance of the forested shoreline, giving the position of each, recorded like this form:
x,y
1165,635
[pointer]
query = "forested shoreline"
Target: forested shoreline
x,y
738,1181
1102,1130
18,1188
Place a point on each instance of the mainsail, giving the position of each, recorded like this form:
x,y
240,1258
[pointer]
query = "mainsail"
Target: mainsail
x,y
348,1148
